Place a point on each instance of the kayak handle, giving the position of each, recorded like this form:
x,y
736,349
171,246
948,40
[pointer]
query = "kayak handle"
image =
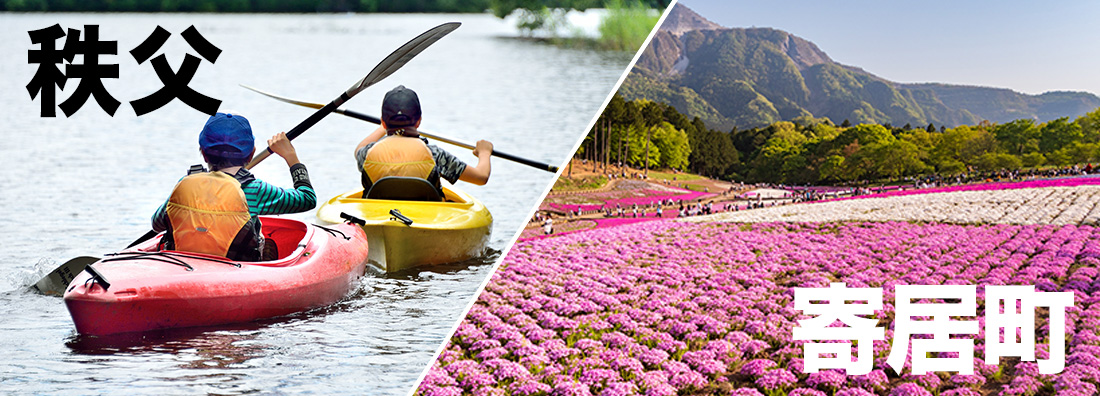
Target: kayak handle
x,y
97,278
397,216
352,219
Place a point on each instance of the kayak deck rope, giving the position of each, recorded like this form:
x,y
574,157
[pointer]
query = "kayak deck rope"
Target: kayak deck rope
x,y
334,232
155,256
165,257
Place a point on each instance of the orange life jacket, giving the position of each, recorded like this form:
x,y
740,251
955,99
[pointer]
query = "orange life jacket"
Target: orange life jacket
x,y
207,212
399,156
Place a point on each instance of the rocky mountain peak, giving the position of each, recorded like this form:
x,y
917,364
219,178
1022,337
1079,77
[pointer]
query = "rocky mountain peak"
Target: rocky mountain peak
x,y
682,19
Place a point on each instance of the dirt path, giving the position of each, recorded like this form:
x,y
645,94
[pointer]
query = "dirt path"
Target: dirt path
x,y
725,192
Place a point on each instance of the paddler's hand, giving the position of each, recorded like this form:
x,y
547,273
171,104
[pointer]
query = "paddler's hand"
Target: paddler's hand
x,y
483,147
479,174
280,144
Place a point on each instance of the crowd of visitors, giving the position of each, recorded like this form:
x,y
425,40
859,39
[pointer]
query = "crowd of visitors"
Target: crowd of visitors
x,y
729,200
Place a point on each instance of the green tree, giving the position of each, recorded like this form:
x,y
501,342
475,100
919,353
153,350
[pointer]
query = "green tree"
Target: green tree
x,y
1017,136
997,161
1059,133
822,131
653,113
548,15
781,160
963,144
788,131
1032,160
672,144
638,140
712,153
896,159
951,167
1090,126
503,8
1078,153
864,134
832,169
626,25
921,138
26,5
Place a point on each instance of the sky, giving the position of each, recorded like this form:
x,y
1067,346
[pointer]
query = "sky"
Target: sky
x,y
1027,46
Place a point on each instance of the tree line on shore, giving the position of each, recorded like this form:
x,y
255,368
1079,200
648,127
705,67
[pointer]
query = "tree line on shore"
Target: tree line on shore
x,y
817,151
623,28
243,6
500,8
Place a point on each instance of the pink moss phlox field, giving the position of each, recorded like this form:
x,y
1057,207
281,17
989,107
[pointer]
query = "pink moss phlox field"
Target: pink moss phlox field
x,y
667,308
1038,183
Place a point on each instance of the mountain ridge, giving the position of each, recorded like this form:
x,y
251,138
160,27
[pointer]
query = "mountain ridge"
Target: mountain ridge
x,y
750,77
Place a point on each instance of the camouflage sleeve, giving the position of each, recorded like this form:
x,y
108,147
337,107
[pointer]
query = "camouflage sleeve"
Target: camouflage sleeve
x,y
361,155
448,166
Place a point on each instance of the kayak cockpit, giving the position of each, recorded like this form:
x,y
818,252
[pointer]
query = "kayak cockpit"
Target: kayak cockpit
x,y
403,188
286,237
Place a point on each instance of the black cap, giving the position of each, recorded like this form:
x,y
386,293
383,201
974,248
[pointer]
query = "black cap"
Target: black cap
x,y
400,107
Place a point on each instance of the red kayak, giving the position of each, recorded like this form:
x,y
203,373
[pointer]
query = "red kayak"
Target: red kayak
x,y
144,288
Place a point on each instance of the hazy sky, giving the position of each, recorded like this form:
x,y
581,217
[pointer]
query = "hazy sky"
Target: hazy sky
x,y
1026,46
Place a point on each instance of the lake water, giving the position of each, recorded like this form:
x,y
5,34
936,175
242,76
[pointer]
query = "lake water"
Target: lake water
x,y
87,184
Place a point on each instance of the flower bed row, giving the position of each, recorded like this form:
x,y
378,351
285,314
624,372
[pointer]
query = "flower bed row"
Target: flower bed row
x,y
1036,183
1023,205
666,308
537,231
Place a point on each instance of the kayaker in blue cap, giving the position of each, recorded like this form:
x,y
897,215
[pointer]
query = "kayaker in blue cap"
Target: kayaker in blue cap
x,y
215,212
397,149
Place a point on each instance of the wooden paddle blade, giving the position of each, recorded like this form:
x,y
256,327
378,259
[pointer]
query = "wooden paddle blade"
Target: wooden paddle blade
x,y
148,235
259,157
284,98
314,105
402,55
55,282
429,135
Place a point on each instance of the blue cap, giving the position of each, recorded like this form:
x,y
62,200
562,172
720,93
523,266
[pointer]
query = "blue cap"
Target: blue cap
x,y
227,136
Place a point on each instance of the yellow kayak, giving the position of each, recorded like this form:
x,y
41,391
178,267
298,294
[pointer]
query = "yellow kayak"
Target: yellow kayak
x,y
437,233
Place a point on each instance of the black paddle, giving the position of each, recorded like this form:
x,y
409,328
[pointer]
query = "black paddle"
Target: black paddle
x,y
389,65
57,280
375,120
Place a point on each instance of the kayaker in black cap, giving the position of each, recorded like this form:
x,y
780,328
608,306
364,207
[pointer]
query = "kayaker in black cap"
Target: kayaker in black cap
x,y
397,149
215,212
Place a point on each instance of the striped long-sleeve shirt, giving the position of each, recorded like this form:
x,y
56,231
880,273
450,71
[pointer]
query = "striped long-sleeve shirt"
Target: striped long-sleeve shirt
x,y
263,198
